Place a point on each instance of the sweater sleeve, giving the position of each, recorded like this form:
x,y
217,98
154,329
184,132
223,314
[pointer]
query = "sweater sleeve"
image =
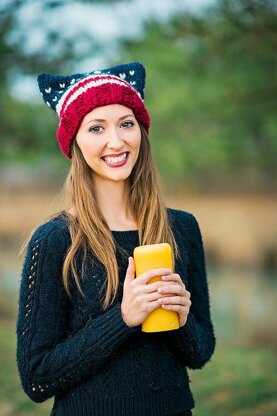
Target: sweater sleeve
x,y
49,362
194,343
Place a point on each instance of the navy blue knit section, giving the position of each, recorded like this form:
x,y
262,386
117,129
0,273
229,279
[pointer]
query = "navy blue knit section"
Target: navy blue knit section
x,y
53,87
90,360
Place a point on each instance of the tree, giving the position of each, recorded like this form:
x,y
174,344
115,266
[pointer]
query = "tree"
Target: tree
x,y
20,135
212,90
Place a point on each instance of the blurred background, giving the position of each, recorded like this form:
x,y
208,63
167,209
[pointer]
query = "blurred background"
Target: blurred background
x,y
211,92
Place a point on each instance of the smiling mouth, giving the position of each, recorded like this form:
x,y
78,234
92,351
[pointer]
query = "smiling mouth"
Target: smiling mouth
x,y
116,161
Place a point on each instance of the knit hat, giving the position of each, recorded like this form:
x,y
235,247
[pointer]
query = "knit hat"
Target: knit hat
x,y
73,96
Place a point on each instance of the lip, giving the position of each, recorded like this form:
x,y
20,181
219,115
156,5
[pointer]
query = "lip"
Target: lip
x,y
115,155
116,165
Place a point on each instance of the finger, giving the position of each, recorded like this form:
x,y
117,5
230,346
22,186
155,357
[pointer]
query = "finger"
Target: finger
x,y
149,274
173,277
176,288
177,308
175,300
148,301
151,306
152,287
149,297
130,273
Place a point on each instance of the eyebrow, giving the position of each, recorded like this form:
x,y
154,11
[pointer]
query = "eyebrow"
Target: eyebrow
x,y
99,120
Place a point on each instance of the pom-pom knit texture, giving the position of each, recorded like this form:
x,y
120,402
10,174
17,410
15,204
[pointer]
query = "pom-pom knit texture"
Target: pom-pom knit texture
x,y
73,96
90,360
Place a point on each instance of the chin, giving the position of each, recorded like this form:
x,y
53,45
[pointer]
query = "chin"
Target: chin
x,y
119,178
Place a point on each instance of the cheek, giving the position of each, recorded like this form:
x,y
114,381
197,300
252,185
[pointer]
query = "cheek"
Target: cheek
x,y
90,149
138,141
135,140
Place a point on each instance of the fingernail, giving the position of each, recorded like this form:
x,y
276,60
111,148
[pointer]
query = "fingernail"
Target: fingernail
x,y
164,277
160,289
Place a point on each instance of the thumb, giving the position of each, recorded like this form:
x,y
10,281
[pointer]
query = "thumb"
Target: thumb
x,y
130,273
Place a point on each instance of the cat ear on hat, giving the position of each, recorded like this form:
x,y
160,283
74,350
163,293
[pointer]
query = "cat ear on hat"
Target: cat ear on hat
x,y
133,73
52,87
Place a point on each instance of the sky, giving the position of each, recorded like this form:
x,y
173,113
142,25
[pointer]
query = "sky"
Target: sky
x,y
106,23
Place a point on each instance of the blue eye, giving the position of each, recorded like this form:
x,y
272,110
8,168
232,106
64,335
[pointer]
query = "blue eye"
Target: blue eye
x,y
127,124
95,129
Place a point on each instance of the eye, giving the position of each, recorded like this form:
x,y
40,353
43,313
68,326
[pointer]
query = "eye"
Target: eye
x,y
127,124
95,129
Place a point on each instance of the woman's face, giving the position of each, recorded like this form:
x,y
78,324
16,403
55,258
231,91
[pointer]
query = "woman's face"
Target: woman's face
x,y
109,138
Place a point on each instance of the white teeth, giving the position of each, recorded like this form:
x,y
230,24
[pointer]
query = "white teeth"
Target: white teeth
x,y
114,160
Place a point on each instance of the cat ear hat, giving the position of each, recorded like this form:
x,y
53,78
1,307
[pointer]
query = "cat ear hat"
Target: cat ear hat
x,y
73,96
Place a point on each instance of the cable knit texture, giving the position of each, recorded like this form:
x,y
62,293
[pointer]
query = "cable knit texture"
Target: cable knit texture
x,y
90,360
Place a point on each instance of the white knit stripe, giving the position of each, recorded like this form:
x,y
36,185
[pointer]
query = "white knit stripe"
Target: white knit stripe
x,y
107,79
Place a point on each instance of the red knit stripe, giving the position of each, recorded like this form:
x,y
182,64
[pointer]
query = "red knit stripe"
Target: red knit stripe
x,y
70,93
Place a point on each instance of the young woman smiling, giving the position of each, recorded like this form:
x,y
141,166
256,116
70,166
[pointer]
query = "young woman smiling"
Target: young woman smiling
x,y
81,306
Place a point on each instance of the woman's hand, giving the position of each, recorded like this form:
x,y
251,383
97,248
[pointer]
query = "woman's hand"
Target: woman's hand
x,y
139,298
175,297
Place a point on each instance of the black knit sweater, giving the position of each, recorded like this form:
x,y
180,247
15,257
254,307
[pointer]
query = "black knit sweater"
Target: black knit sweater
x,y
90,360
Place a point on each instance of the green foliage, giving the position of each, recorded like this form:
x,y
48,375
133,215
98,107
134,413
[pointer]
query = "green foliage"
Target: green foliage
x,y
211,89
27,129
58,51
239,381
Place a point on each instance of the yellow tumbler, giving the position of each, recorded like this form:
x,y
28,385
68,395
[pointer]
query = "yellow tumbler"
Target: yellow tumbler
x,y
155,256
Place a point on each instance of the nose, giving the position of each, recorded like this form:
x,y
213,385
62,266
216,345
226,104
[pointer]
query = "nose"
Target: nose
x,y
114,141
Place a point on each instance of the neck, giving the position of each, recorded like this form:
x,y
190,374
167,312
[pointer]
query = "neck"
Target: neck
x,y
112,198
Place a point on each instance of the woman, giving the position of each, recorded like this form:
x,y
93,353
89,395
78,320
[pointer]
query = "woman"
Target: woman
x,y
81,307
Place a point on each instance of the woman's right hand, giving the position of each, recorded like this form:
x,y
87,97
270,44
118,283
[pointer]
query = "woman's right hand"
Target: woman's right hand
x,y
139,298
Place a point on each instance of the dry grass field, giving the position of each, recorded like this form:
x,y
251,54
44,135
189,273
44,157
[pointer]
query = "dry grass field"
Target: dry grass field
x,y
236,229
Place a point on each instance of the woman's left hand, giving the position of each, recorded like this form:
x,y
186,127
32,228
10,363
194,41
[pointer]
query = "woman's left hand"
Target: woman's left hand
x,y
175,297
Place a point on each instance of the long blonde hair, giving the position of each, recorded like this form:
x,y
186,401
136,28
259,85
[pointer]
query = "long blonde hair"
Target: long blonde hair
x,y
89,230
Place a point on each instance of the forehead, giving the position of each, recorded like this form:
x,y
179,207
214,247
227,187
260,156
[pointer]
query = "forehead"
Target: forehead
x,y
109,112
